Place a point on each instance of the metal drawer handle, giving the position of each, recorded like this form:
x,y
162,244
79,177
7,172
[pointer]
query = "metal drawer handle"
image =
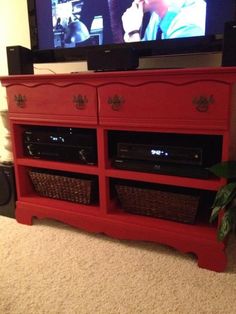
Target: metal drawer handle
x,y
116,102
202,102
80,101
20,100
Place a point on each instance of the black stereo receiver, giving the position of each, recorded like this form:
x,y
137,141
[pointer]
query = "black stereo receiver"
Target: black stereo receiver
x,y
62,144
160,153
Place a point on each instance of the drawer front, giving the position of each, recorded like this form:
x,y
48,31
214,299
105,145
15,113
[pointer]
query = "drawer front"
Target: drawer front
x,y
77,100
200,103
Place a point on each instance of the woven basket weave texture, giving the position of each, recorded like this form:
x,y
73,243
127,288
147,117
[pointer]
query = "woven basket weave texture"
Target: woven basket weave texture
x,y
61,187
168,205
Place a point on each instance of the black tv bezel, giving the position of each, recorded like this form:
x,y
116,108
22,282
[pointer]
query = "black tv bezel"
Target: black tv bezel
x,y
189,45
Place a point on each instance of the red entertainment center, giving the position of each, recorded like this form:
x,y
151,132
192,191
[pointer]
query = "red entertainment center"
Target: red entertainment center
x,y
185,103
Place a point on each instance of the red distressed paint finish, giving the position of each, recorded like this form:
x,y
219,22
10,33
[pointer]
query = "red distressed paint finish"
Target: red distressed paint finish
x,y
179,101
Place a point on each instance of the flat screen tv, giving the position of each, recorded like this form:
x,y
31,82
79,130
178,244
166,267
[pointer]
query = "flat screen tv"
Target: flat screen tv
x,y
72,30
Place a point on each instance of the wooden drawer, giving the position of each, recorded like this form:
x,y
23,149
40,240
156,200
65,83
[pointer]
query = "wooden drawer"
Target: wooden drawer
x,y
198,104
79,101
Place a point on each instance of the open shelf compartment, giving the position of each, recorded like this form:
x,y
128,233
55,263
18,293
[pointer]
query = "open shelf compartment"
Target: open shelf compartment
x,y
56,143
50,185
145,199
173,154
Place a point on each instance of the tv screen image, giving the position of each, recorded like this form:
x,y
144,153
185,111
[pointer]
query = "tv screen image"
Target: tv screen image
x,y
150,26
102,22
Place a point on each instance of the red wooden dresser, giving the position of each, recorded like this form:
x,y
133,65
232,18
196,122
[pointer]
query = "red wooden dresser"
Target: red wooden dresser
x,y
181,102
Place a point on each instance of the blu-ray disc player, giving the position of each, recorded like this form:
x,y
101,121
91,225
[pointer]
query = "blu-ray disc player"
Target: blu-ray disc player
x,y
161,153
177,157
191,171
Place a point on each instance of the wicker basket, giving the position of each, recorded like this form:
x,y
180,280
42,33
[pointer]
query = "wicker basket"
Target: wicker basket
x,y
64,187
155,203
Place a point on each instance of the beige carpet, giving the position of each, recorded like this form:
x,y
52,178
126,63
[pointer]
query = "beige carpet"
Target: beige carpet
x,y
53,268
